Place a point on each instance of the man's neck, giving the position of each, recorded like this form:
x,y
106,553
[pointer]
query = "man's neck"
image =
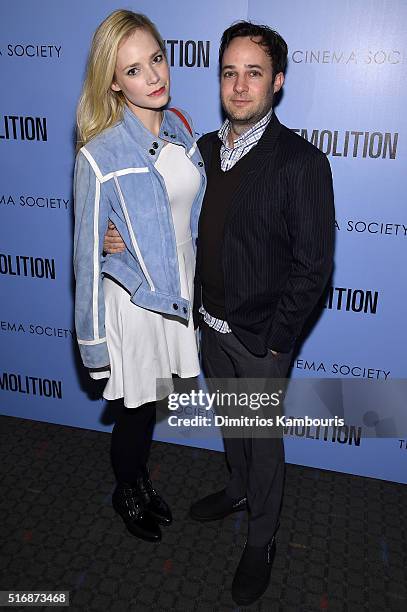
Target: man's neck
x,y
237,129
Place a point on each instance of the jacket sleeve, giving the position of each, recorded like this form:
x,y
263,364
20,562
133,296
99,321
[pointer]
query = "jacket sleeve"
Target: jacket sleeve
x,y
311,225
197,289
91,218
203,149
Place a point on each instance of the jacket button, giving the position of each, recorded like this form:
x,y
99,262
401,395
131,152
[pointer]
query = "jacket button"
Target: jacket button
x,y
155,145
184,310
165,133
173,136
200,164
152,152
175,306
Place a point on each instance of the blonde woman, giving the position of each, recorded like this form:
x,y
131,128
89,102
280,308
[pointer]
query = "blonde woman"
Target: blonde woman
x,y
137,166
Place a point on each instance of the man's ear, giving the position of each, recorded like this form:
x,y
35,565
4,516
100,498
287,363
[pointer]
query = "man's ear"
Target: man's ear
x,y
278,82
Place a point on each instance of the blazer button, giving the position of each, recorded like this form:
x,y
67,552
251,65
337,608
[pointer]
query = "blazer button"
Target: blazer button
x,y
165,133
152,152
200,164
184,310
175,306
173,136
155,145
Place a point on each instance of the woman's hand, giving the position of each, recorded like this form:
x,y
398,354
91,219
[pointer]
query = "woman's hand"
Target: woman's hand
x,y
113,242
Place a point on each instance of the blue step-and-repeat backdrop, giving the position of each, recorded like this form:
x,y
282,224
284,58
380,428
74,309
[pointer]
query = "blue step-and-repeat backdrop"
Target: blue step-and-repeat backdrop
x,y
345,91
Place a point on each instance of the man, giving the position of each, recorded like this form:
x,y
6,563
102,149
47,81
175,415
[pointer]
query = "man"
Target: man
x,y
265,249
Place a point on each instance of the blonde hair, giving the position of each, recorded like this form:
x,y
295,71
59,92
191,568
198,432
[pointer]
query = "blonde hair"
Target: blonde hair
x,y
99,106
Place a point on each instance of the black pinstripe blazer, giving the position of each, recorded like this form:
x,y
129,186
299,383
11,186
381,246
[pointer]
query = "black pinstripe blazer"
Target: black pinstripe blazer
x,y
278,240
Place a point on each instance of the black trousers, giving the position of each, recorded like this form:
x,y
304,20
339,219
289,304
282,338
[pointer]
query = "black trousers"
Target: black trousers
x,y
131,441
256,465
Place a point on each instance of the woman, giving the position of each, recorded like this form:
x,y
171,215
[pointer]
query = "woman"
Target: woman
x,y
137,166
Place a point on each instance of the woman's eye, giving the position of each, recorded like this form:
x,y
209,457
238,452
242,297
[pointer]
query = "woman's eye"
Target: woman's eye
x,y
132,71
158,59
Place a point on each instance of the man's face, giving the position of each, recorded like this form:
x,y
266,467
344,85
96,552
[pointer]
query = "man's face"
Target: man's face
x,y
247,87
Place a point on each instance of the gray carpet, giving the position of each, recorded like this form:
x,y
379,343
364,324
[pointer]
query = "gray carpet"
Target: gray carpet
x,y
342,544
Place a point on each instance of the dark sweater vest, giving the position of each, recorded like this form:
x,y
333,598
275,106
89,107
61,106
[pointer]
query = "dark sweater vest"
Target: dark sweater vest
x,y
218,196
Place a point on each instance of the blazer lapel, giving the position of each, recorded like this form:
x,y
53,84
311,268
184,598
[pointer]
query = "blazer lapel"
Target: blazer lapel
x,y
261,154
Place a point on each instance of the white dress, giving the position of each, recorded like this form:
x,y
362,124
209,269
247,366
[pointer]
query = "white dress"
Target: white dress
x,y
144,345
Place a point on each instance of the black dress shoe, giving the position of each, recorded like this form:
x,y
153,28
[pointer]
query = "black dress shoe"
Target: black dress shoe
x,y
252,576
216,506
128,503
153,502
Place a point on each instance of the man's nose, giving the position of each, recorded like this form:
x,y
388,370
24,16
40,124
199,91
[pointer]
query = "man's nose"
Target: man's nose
x,y
240,84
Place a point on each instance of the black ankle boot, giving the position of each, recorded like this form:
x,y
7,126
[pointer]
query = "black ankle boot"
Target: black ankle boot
x,y
128,502
216,506
153,502
253,573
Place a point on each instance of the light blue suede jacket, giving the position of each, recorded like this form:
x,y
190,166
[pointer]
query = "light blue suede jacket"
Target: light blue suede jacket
x,y
115,179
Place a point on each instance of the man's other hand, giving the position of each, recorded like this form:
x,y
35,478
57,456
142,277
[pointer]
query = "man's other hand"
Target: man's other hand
x,y
113,242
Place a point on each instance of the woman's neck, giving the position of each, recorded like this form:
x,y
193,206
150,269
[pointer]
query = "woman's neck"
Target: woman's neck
x,y
151,119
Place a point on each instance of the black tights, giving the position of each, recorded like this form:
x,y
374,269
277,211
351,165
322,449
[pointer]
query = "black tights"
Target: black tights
x,y
131,441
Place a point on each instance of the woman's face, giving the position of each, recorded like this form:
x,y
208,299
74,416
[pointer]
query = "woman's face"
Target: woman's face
x,y
142,73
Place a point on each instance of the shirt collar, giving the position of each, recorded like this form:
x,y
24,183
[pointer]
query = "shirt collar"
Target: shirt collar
x,y
260,126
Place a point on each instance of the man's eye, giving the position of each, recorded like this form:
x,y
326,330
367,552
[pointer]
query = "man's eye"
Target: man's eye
x,y
255,73
228,75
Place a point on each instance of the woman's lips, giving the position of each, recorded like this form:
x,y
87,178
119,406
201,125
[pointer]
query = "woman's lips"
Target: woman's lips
x,y
158,92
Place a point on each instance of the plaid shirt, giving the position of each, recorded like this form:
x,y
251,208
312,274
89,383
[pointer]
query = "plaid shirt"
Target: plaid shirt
x,y
217,324
229,156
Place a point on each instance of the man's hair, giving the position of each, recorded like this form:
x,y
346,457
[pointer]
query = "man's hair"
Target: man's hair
x,y
271,41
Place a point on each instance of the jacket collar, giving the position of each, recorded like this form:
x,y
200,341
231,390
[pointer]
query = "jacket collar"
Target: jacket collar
x,y
169,131
260,155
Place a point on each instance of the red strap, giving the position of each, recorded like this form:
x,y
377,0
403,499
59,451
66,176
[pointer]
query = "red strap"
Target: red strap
x,y
183,119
